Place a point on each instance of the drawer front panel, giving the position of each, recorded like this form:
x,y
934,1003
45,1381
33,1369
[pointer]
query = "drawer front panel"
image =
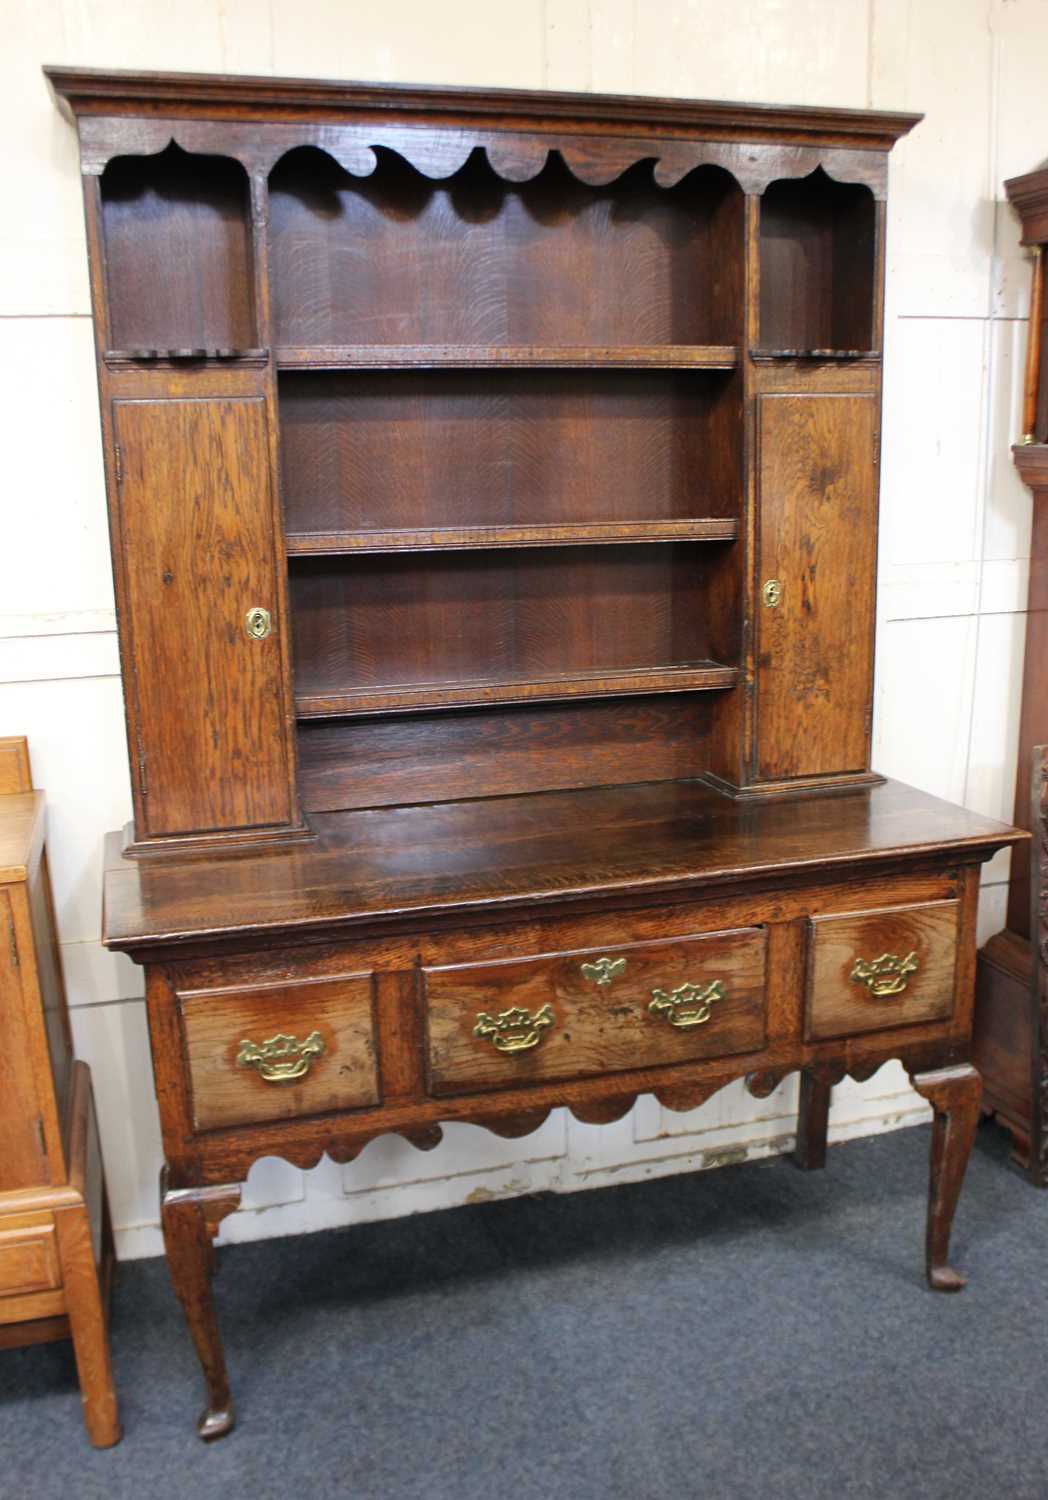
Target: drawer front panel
x,y
28,1255
275,1052
573,1015
873,971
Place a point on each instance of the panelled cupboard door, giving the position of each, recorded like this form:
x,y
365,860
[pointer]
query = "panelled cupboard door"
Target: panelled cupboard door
x,y
23,1162
818,533
197,520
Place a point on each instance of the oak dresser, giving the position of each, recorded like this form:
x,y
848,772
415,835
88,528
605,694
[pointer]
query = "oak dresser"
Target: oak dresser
x,y
493,485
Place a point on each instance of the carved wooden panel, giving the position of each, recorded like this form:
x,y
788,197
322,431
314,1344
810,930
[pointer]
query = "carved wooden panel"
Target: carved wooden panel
x,y
593,1012
818,520
196,518
278,1051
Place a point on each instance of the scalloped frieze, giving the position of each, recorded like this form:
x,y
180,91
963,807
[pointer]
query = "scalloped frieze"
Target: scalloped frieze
x,y
439,152
603,1111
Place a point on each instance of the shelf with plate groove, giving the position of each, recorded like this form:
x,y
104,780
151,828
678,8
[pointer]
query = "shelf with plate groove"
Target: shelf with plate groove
x,y
510,356
469,538
697,676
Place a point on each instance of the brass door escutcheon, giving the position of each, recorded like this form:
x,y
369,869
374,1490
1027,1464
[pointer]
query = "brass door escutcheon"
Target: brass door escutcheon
x,y
515,1030
886,975
771,593
282,1058
688,1005
258,623
604,970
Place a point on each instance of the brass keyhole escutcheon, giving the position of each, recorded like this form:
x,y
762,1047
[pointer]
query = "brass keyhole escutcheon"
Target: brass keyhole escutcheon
x,y
772,592
258,623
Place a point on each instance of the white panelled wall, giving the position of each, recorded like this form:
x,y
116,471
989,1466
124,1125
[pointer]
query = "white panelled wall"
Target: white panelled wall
x,y
955,519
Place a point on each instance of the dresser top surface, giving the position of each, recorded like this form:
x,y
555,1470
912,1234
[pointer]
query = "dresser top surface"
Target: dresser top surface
x,y
393,865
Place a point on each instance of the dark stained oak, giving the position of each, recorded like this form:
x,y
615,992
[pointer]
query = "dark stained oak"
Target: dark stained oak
x,y
596,1010
1011,1028
818,259
178,253
474,627
663,839
196,565
464,538
554,385
917,950
818,507
379,761
954,1094
362,450
395,258
624,356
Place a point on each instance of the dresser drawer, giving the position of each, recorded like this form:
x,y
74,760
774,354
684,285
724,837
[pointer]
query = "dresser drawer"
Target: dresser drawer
x,y
875,970
276,1051
571,1015
28,1255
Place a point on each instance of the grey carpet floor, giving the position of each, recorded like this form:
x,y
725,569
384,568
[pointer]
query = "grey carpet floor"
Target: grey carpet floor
x,y
754,1331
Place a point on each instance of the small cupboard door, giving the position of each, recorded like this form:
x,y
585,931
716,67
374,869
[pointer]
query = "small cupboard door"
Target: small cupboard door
x,y
208,696
817,470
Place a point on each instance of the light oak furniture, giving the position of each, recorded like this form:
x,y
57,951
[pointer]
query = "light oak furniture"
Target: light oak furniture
x,y
56,1244
1011,1024
493,487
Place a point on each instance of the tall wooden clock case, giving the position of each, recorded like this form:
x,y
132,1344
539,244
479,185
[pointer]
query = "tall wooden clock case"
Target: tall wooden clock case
x,y
1011,1031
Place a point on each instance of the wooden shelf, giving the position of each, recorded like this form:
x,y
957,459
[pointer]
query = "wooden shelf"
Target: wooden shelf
x,y
462,538
699,676
521,357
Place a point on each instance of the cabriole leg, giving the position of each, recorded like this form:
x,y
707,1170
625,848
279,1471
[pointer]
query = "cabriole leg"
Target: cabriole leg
x,y
813,1116
954,1094
190,1217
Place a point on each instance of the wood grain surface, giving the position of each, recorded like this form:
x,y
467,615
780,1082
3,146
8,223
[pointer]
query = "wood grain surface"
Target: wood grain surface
x,y
818,517
371,450
367,624
375,762
839,1005
23,1156
215,1023
817,245
596,1029
466,859
28,1255
178,256
396,258
210,724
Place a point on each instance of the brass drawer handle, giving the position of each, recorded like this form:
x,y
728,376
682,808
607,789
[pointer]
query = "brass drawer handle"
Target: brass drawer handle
x,y
604,970
687,1005
886,975
282,1058
515,1030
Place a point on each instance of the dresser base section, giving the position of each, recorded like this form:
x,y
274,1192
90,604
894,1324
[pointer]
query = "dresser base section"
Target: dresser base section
x,y
191,1216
